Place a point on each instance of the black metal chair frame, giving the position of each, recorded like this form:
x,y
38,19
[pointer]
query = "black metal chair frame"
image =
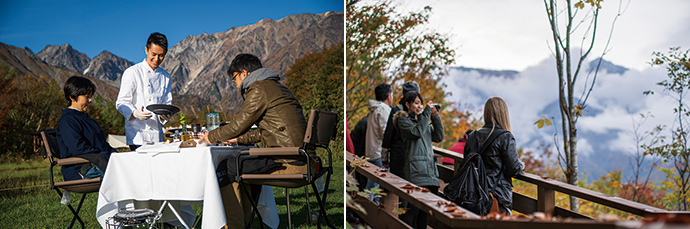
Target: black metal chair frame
x,y
86,186
311,141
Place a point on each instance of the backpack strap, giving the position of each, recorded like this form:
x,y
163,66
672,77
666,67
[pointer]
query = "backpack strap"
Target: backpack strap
x,y
491,139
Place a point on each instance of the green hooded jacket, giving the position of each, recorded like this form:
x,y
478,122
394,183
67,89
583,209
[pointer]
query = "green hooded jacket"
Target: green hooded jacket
x,y
420,165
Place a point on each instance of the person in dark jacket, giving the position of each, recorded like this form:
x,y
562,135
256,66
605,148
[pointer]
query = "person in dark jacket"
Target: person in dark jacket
x,y
77,133
278,116
391,137
394,143
500,158
266,103
358,136
418,134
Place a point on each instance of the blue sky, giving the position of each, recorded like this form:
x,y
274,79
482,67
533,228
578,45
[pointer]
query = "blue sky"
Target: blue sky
x,y
122,27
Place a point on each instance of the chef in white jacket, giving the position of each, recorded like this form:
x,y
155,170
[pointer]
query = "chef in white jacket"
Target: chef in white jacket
x,y
144,84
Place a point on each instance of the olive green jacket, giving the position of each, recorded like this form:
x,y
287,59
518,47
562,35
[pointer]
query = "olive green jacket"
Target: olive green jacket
x,y
420,165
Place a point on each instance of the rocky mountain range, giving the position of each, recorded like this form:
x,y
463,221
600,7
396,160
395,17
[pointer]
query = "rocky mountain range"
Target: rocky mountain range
x,y
198,63
29,63
108,67
64,56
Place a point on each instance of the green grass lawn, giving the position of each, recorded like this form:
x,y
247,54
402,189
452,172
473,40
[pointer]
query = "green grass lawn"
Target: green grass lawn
x,y
37,206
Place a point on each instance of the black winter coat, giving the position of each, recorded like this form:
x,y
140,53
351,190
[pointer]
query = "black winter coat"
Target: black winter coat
x,y
395,145
358,136
501,163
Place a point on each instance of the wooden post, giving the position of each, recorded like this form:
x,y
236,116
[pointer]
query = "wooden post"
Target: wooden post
x,y
546,200
389,202
456,167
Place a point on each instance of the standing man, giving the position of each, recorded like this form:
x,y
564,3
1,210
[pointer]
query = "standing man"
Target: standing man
x,y
144,84
377,120
275,111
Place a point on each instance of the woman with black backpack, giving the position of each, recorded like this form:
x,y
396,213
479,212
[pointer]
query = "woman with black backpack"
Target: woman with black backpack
x,y
500,157
417,134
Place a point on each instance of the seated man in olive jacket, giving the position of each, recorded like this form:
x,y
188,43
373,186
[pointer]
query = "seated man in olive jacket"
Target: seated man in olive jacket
x,y
273,108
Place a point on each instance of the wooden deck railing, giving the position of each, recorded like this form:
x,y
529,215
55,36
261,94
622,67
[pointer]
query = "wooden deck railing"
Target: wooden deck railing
x,y
382,216
546,189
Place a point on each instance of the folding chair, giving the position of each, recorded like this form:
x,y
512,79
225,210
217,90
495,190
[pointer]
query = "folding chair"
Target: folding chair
x,y
320,131
76,186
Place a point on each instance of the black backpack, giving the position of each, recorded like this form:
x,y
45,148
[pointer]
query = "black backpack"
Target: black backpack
x,y
469,187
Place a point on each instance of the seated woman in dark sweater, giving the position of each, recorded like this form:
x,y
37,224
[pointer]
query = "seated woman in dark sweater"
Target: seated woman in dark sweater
x,y
78,135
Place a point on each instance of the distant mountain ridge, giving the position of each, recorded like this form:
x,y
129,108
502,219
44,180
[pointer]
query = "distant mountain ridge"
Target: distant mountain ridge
x,y
485,72
197,64
606,66
26,62
472,86
64,56
108,67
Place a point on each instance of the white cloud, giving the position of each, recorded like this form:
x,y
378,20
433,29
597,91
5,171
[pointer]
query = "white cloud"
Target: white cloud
x,y
607,120
515,34
584,148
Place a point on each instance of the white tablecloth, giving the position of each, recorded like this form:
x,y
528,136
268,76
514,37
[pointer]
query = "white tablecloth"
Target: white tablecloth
x,y
187,175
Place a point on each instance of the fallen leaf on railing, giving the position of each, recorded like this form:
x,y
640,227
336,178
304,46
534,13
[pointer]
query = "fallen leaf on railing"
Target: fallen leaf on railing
x,y
670,218
424,189
494,216
450,209
517,216
382,170
446,203
545,177
539,215
382,175
459,213
408,186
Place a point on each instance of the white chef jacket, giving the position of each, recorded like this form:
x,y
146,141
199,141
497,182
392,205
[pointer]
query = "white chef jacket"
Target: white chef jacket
x,y
142,86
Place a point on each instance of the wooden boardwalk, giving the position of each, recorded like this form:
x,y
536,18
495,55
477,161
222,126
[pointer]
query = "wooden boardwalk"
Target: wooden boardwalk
x,y
382,216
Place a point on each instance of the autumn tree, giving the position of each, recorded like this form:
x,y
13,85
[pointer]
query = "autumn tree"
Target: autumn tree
x,y
106,115
578,14
30,104
316,80
676,150
641,163
386,46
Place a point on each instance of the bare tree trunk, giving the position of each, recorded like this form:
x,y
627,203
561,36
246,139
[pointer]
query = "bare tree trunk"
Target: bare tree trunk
x,y
573,177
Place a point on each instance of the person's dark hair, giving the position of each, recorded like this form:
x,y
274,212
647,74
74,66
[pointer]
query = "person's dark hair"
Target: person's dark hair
x,y
410,96
76,86
244,61
382,91
157,39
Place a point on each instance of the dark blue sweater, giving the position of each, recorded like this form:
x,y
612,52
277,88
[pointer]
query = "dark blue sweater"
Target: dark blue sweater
x,y
77,134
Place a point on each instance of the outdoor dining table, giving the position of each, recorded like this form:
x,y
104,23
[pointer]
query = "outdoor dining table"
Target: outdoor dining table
x,y
166,172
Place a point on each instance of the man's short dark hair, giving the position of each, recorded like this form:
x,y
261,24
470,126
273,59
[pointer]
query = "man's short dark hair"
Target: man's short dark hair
x,y
382,91
244,61
76,86
157,39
